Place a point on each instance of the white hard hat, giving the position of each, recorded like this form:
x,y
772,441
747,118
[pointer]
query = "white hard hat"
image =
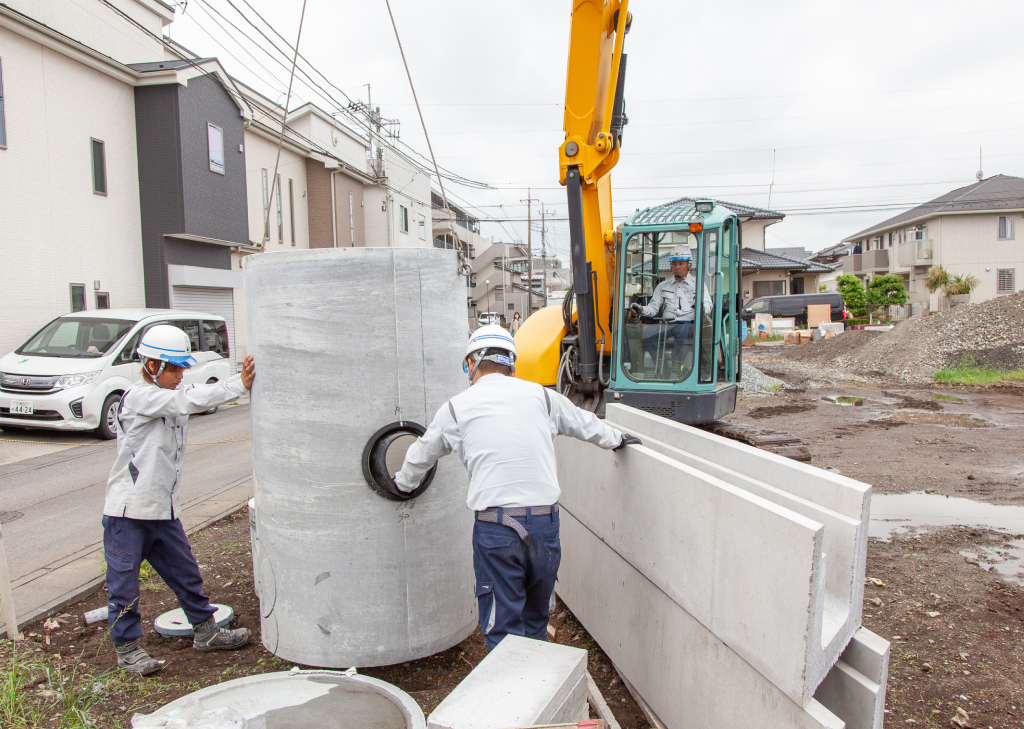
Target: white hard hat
x,y
167,344
492,336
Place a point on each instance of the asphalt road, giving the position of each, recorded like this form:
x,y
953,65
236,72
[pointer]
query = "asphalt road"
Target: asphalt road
x,y
59,495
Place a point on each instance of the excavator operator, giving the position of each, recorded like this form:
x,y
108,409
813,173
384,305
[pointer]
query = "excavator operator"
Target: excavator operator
x,y
676,300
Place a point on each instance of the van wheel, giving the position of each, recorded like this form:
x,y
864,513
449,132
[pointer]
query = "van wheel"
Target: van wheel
x,y
211,411
108,417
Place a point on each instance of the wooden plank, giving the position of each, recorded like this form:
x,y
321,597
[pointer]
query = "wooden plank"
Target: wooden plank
x,y
652,718
795,452
7,595
599,705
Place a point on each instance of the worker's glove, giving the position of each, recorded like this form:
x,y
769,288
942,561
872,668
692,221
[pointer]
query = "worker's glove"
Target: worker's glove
x,y
627,439
636,309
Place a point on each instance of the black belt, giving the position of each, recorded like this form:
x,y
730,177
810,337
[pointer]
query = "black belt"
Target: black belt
x,y
504,516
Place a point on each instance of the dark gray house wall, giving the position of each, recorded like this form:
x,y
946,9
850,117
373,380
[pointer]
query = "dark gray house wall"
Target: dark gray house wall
x,y
178,192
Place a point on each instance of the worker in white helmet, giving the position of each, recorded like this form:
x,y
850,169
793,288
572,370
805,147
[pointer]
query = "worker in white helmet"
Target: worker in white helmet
x,y
503,429
140,514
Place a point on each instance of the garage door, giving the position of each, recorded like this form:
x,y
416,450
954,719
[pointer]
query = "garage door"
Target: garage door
x,y
209,300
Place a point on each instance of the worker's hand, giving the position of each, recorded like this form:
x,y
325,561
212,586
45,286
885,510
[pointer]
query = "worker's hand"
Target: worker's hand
x,y
248,372
627,439
636,309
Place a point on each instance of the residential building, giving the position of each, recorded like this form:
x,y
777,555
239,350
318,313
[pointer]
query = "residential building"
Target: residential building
x,y
753,221
833,257
71,231
793,252
467,228
767,273
974,230
500,282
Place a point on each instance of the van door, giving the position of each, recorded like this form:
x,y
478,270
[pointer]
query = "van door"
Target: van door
x,y
126,362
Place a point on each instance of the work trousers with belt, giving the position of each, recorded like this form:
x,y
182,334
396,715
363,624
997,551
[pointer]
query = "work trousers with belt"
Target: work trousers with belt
x,y
126,542
515,580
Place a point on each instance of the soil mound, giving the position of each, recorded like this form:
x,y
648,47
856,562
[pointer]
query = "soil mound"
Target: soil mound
x,y
987,334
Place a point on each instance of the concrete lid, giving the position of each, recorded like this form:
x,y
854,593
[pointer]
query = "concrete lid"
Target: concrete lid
x,y
174,623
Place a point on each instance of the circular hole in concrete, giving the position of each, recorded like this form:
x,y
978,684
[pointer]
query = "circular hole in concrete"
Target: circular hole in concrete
x,y
384,455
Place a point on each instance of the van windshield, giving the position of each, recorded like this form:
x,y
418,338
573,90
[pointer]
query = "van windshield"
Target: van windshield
x,y
78,337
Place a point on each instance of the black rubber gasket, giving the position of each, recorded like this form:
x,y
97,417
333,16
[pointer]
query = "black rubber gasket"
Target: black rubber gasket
x,y
375,467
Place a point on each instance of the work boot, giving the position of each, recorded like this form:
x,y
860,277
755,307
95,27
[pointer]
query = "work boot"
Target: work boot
x,y
209,637
133,658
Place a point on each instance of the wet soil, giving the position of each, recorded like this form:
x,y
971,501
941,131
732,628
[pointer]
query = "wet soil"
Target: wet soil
x,y
225,558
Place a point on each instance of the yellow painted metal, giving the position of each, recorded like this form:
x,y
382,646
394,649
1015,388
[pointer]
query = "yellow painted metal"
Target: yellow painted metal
x,y
538,346
595,47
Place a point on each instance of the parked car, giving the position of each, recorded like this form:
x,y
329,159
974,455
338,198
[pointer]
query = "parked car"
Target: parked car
x,y
484,318
795,306
70,375
556,297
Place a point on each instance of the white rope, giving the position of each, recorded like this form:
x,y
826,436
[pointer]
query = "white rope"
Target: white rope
x,y
280,141
464,268
398,352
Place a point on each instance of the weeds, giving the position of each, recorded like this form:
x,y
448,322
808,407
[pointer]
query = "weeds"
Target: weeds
x,y
970,374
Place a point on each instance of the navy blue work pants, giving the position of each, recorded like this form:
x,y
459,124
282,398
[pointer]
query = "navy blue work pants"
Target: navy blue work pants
x,y
514,580
126,542
656,337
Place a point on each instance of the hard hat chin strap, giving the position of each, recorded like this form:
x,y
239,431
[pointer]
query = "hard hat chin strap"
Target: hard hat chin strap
x,y
482,355
160,371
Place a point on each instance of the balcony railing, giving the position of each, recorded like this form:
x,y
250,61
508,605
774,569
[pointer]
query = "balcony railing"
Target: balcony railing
x,y
915,253
869,262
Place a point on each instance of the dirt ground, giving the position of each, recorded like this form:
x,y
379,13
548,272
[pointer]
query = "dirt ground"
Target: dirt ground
x,y
224,555
957,630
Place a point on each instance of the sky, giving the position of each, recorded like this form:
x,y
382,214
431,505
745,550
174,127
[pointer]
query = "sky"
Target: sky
x,y
839,114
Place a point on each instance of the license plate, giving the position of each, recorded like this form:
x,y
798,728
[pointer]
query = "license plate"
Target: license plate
x,y
21,407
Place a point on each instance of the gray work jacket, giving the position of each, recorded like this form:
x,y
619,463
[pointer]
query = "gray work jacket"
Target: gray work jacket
x,y
678,298
152,424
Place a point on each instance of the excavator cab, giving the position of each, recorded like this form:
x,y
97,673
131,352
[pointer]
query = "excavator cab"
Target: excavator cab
x,y
685,371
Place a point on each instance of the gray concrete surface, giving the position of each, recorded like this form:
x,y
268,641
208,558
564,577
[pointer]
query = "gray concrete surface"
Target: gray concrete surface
x,y
53,504
349,340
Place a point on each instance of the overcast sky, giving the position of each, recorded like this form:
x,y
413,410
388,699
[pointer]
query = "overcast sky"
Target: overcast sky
x,y
870,104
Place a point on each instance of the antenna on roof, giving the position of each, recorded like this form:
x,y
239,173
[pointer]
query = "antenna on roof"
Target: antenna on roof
x,y
980,174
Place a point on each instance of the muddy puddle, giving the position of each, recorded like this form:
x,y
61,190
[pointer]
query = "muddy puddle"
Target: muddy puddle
x,y
954,420
837,400
898,513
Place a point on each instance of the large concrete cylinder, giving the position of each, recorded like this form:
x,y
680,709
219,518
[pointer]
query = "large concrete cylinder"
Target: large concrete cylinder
x,y
346,341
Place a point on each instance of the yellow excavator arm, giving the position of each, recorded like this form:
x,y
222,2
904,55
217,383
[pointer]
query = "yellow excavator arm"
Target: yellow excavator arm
x,y
593,134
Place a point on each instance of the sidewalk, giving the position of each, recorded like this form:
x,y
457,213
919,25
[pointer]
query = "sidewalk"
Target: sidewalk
x,y
46,590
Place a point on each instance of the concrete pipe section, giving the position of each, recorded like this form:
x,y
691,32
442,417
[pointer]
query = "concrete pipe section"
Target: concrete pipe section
x,y
356,349
320,699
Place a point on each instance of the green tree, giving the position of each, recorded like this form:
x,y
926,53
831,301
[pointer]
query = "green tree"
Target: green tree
x,y
885,291
853,294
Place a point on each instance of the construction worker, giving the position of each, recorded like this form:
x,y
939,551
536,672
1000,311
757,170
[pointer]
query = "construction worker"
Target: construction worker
x,y
503,430
140,515
676,300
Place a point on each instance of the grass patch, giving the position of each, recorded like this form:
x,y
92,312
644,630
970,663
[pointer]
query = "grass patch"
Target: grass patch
x,y
968,374
773,337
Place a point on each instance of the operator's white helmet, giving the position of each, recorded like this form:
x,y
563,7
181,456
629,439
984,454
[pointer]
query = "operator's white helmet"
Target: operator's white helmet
x,y
165,343
492,336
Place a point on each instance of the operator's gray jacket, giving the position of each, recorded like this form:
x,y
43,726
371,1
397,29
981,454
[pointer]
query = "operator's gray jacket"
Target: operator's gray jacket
x,y
151,427
679,299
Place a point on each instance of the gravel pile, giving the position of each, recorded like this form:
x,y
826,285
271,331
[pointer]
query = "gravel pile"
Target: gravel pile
x,y
757,383
991,333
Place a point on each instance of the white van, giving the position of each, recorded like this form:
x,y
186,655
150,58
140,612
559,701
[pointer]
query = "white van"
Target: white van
x,y
70,375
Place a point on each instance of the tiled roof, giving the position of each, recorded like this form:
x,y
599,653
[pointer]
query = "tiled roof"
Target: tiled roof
x,y
754,259
745,212
994,193
801,253
839,249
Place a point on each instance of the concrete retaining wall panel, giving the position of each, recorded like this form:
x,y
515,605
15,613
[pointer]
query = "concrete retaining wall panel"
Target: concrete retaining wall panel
x,y
855,687
748,570
347,341
844,537
689,676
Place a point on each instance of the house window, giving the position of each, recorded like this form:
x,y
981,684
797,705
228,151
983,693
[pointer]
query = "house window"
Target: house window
x,y
403,219
1005,227
280,218
266,206
3,123
917,232
423,227
291,209
769,288
102,300
351,219
511,305
215,136
471,281
99,168
77,297
1007,283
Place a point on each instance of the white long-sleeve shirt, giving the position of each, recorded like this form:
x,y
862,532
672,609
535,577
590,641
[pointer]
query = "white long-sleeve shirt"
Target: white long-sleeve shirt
x,y
679,299
152,424
503,429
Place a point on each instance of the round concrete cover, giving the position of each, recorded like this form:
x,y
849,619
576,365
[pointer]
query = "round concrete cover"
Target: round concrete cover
x,y
174,624
311,700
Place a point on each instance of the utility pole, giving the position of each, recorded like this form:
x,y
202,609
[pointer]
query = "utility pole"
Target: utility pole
x,y
529,244
543,260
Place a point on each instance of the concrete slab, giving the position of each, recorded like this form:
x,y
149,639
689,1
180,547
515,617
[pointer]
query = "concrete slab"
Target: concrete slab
x,y
522,682
855,687
748,570
688,676
845,536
